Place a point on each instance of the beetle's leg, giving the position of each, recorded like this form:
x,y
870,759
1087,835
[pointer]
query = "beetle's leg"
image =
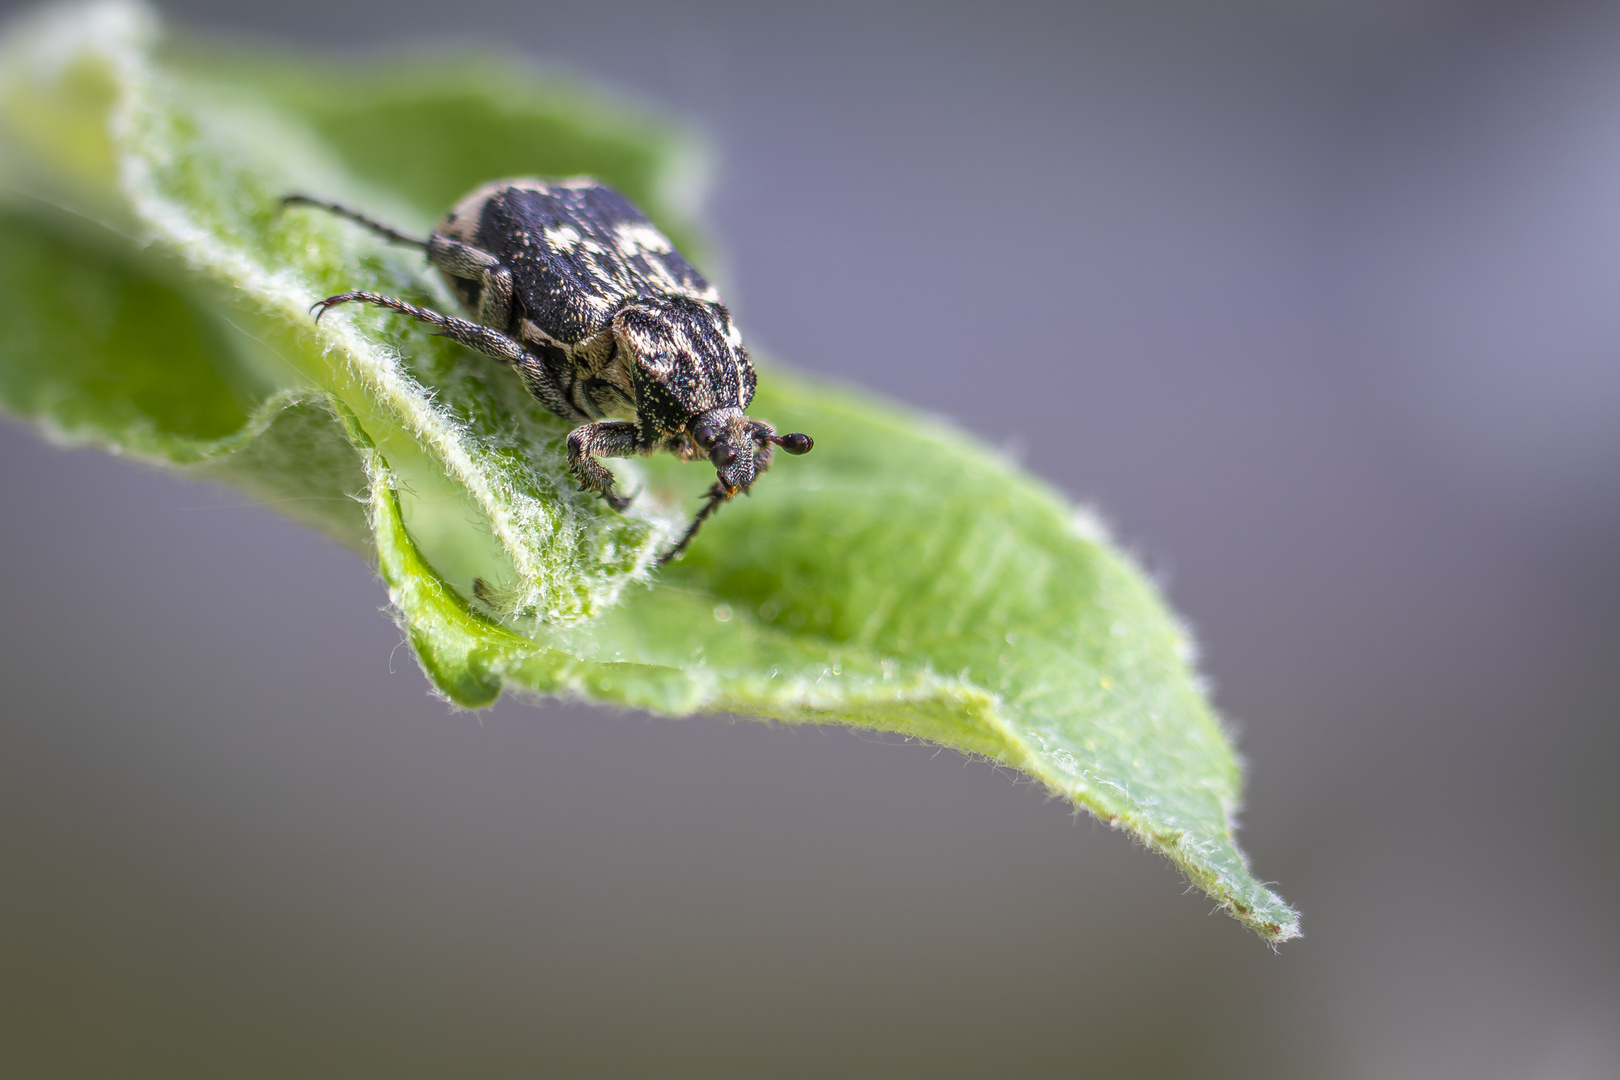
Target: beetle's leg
x,y
717,496
683,447
537,379
481,338
605,438
762,457
475,264
452,256
358,218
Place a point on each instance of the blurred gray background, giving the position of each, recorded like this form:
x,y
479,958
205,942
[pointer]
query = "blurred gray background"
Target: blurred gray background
x,y
1317,301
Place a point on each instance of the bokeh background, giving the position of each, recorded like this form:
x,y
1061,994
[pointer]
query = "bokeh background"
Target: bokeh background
x,y
1315,300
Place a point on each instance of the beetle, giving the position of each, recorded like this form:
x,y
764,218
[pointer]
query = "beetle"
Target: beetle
x,y
605,323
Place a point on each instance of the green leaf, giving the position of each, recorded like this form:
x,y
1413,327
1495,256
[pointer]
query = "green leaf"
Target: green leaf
x,y
154,300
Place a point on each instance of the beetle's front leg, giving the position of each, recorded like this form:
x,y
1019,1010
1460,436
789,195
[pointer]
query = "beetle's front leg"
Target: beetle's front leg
x,y
716,495
605,438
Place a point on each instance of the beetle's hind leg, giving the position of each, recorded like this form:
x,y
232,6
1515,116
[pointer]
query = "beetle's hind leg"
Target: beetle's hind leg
x,y
537,378
493,280
452,256
604,438
358,218
480,338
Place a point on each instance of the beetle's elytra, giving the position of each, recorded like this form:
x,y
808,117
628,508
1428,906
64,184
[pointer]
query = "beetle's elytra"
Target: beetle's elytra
x,y
606,324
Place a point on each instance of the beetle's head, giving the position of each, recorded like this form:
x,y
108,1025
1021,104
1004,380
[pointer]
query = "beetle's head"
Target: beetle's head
x,y
739,447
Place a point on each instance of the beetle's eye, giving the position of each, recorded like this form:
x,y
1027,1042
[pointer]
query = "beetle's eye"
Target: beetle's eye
x,y
723,456
704,436
796,443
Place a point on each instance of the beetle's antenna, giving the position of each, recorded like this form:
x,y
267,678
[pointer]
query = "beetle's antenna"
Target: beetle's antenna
x,y
359,219
717,495
796,443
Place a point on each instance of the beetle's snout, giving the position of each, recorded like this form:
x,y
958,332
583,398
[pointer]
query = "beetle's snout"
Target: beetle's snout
x,y
736,468
727,439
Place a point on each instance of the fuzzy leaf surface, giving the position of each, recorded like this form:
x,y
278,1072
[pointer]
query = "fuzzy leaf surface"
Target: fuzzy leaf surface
x,y
154,300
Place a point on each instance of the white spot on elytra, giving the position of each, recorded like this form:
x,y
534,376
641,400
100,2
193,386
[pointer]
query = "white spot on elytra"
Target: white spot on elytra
x,y
634,238
562,236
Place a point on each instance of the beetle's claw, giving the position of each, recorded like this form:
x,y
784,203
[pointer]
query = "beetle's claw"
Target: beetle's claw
x,y
321,307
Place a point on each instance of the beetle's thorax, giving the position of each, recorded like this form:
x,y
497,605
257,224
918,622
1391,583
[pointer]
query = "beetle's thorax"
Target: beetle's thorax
x,y
684,358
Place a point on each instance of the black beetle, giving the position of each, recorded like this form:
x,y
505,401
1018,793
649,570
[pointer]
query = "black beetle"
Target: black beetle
x,y
606,324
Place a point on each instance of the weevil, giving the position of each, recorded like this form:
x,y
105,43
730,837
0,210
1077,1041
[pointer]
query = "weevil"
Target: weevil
x,y
603,321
